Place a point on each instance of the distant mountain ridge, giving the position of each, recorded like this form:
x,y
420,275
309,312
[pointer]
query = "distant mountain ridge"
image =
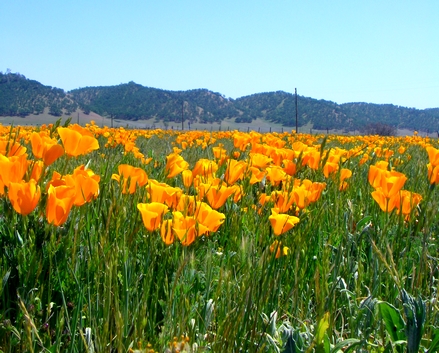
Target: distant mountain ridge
x,y
20,96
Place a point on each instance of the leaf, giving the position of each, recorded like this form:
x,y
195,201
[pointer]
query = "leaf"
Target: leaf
x,y
321,339
321,328
392,320
434,346
415,313
5,280
351,342
363,222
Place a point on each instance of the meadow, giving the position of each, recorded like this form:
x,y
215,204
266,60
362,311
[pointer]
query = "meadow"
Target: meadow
x,y
129,240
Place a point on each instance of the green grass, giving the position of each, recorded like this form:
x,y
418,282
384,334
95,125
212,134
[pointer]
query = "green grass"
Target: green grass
x,y
352,279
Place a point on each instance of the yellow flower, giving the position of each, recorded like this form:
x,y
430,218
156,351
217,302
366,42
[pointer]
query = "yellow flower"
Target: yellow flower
x,y
77,141
24,196
152,214
175,165
282,223
59,203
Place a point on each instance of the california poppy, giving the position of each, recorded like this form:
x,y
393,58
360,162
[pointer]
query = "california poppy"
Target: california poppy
x,y
276,175
36,169
205,168
184,228
175,165
387,204
433,174
220,154
283,200
259,160
86,185
235,171
75,143
12,169
344,174
59,203
377,173
166,232
132,177
433,155
24,196
163,193
208,217
408,201
392,182
11,148
216,195
152,214
45,148
281,222
188,178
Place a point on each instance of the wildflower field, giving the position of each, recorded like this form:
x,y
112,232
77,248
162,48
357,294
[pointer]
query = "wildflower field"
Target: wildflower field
x,y
117,240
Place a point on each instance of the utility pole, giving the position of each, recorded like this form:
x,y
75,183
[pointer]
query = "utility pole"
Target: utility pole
x,y
296,109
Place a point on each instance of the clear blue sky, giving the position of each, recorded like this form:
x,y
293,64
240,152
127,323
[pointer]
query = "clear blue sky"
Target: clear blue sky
x,y
383,51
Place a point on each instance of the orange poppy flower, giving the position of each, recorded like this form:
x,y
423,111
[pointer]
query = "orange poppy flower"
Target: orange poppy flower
x,y
311,158
131,177
433,174
187,204
45,148
281,222
235,171
76,143
12,169
163,193
210,219
216,195
175,165
283,200
329,168
387,204
188,178
392,182
86,185
289,167
377,173
205,168
152,214
36,170
220,154
184,228
408,201
59,203
256,175
276,175
344,174
259,160
241,140
24,196
315,190
166,232
433,155
11,148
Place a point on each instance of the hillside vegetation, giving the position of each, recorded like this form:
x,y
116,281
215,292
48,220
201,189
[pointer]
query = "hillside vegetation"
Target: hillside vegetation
x,y
21,97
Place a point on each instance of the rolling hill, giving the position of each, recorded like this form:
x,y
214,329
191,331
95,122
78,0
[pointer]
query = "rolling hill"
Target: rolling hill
x,y
20,96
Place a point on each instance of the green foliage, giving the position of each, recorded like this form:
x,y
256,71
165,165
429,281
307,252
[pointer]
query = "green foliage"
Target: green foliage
x,y
21,97
103,281
132,102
